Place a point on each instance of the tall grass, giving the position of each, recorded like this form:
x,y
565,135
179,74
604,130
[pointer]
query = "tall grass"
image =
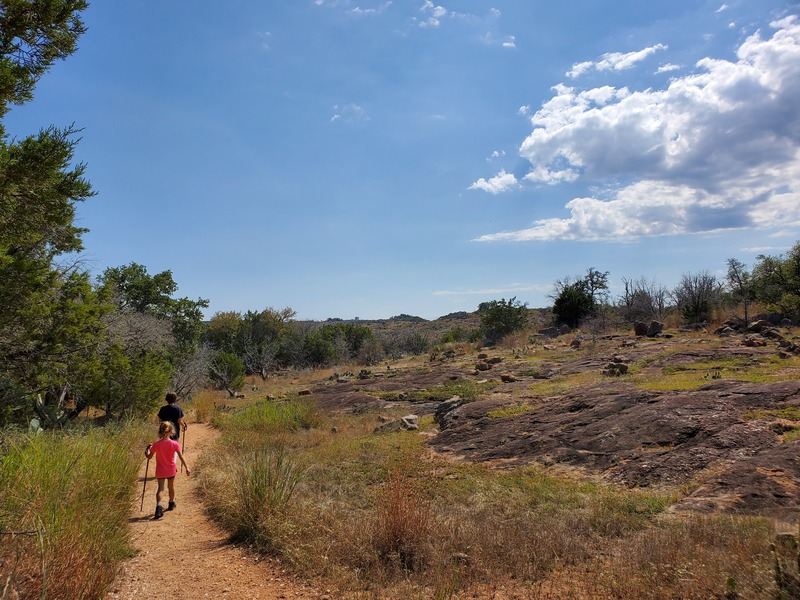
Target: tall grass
x,y
270,417
403,520
249,477
64,502
262,486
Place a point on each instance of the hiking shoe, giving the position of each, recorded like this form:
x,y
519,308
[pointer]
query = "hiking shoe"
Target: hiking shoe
x,y
171,505
159,511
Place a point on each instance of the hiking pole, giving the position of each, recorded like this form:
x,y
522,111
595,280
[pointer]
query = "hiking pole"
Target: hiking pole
x,y
146,466
183,445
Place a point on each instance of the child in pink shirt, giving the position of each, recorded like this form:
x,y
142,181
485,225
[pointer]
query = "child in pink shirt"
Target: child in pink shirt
x,y
165,451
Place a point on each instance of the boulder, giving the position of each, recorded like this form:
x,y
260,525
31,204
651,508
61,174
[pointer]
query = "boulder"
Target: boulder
x,y
758,326
444,414
640,329
410,422
655,328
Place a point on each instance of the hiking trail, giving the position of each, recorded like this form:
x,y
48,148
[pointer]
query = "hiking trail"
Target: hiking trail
x,y
184,555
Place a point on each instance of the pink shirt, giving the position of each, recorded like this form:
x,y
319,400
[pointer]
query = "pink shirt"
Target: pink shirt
x,y
165,457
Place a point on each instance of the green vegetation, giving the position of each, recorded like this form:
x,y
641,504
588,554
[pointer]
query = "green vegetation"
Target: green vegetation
x,y
502,317
575,300
375,514
465,389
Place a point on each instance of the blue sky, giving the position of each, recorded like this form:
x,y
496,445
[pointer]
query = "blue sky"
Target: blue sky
x,y
370,158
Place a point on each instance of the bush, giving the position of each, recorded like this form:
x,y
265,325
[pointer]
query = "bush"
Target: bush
x,y
501,317
573,304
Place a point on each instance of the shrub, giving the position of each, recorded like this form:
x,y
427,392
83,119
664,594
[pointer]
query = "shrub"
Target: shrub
x,y
501,317
573,304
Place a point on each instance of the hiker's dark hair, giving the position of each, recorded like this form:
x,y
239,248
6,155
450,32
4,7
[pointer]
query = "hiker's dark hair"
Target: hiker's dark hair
x,y
171,398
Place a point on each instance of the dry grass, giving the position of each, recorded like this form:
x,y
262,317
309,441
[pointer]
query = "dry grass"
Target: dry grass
x,y
64,502
378,516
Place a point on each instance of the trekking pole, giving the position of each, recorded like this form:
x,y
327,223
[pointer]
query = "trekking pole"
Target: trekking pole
x,y
146,466
183,444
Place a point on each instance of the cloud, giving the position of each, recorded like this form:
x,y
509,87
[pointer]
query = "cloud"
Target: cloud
x,y
499,183
434,14
358,11
614,61
716,149
667,68
510,42
348,113
264,36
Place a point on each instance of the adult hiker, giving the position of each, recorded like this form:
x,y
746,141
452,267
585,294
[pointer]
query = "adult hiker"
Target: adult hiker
x,y
174,414
165,450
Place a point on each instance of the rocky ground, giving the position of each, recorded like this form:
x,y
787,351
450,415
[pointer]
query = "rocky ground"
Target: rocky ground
x,y
708,442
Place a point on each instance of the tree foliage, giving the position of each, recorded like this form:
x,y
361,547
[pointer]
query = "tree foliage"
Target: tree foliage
x,y
227,372
50,316
697,295
501,317
740,285
33,35
576,299
776,280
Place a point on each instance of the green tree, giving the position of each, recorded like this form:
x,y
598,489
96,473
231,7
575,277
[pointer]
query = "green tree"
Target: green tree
x,y
349,338
318,350
33,35
776,280
501,317
227,372
259,339
575,300
133,289
127,384
697,295
573,303
49,313
740,284
222,332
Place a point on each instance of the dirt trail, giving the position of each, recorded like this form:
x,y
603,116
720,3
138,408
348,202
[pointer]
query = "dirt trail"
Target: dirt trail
x,y
185,555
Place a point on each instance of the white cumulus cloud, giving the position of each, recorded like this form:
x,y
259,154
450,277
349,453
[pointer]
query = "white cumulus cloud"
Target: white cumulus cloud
x,y
715,149
499,183
614,61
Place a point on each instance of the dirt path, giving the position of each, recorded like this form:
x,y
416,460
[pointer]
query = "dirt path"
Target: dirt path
x,y
185,555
